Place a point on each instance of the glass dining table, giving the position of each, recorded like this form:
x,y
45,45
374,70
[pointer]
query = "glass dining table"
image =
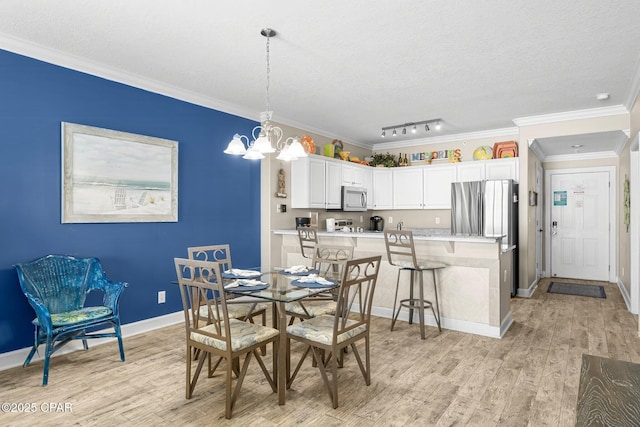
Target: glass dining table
x,y
283,287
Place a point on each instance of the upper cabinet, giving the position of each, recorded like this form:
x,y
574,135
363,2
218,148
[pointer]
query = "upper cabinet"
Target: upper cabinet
x,y
316,182
382,195
407,188
437,181
308,183
507,168
488,169
471,171
353,175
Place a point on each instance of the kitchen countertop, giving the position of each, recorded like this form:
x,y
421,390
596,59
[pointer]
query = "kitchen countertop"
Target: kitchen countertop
x,y
430,234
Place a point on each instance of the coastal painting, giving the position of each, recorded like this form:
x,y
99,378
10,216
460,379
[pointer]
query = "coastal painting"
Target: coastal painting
x,y
113,176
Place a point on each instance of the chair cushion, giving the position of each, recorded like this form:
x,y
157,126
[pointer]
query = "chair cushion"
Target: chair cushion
x,y
236,311
314,308
320,330
243,335
422,265
85,314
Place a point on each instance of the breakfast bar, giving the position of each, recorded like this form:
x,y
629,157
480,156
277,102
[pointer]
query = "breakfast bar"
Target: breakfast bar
x,y
474,289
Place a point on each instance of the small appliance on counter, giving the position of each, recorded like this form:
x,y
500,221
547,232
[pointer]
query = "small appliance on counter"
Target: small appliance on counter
x,y
331,225
303,221
343,224
377,223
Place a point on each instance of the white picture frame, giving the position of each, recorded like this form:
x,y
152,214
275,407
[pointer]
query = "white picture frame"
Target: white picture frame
x,y
111,176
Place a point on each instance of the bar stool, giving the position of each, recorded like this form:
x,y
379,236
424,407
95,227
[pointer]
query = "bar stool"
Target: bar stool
x,y
308,237
401,253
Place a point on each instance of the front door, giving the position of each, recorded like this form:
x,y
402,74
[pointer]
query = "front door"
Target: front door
x,y
580,225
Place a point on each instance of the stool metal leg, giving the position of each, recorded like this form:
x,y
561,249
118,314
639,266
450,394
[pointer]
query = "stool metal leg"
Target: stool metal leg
x,y
435,291
394,314
421,305
411,299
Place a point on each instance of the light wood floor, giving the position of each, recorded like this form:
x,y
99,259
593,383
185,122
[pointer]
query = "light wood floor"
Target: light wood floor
x,y
530,377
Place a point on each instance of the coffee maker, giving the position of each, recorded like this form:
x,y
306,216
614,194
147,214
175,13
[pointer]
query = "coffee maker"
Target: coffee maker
x,y
376,223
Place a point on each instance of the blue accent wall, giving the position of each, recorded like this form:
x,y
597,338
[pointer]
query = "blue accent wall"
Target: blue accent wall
x,y
218,195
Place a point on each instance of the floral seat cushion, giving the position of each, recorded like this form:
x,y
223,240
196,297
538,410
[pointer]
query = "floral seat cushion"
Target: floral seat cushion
x,y
422,265
320,330
236,311
78,316
313,308
243,335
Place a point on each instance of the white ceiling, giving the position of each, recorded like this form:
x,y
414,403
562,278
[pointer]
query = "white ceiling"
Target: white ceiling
x,y
346,69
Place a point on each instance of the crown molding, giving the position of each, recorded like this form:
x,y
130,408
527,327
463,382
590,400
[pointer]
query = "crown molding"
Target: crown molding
x,y
76,63
534,145
571,115
625,134
634,88
514,132
580,156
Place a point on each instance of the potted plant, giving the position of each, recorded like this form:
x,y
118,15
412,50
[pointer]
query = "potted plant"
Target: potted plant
x,y
383,160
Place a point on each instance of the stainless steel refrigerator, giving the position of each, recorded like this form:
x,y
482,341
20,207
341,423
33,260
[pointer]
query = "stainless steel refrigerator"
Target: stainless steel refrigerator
x,y
488,208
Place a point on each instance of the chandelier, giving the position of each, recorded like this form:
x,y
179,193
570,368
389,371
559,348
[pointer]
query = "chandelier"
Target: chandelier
x,y
267,138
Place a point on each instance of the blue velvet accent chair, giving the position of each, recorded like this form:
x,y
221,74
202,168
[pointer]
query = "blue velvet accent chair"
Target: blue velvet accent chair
x,y
56,286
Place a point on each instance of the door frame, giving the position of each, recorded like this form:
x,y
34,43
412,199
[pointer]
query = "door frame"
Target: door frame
x,y
539,219
613,246
634,229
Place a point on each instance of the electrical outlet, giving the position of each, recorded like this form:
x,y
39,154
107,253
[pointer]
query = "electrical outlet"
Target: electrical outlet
x,y
162,297
437,220
390,220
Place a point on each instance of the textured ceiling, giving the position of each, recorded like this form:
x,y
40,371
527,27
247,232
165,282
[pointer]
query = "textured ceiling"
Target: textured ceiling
x,y
348,68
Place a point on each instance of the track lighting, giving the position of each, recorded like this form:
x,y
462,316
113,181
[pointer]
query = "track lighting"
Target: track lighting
x,y
413,126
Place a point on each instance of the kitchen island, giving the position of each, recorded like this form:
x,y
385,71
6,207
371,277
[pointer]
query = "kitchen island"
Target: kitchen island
x,y
474,290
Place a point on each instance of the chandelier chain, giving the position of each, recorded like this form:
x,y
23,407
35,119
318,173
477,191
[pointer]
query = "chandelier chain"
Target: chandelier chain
x,y
268,75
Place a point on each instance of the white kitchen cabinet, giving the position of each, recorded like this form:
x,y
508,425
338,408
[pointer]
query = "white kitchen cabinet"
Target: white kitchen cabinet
x,y
471,171
308,183
382,189
437,181
352,175
334,185
407,188
507,168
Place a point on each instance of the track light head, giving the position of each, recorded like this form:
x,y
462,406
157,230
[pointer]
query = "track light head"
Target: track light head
x,y
394,132
404,131
438,127
414,129
426,127
384,133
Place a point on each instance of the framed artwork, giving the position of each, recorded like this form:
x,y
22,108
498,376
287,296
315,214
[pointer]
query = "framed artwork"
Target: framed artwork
x,y
112,176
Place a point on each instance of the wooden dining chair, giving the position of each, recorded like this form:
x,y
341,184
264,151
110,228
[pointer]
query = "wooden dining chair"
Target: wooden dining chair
x,y
326,336
215,333
329,260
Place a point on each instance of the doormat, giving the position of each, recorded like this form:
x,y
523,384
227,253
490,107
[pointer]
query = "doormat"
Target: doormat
x,y
594,291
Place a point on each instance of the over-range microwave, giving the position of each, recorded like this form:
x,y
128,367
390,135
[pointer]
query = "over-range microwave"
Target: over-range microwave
x,y
354,199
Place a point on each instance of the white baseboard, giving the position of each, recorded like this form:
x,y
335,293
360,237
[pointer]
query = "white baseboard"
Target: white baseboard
x,y
15,358
453,324
527,292
625,295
